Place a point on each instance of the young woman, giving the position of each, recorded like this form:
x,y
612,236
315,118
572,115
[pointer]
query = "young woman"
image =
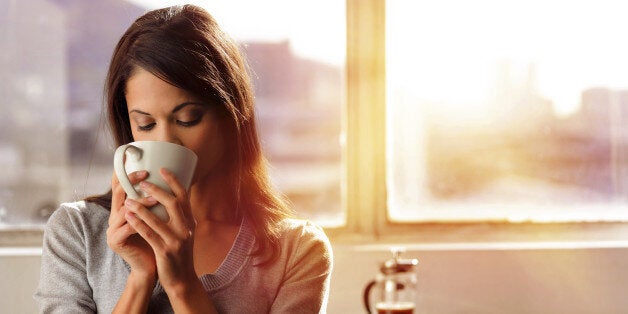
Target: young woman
x,y
230,245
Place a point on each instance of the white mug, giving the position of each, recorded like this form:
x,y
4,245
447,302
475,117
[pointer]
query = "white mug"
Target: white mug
x,y
152,156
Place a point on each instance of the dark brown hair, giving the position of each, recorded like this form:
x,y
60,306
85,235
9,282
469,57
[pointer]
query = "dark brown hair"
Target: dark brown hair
x,y
184,46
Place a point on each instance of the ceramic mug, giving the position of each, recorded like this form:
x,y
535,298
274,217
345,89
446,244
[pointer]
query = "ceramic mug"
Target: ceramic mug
x,y
152,156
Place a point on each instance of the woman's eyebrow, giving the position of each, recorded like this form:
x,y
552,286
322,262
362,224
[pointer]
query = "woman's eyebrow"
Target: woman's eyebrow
x,y
140,112
177,108
181,106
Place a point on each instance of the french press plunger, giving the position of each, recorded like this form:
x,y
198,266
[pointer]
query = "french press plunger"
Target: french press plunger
x,y
396,283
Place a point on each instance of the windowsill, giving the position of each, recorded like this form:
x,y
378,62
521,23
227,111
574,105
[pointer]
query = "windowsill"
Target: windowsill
x,y
22,227
20,251
449,236
21,236
490,235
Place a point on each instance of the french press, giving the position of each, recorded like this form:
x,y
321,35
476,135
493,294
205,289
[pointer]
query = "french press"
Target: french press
x,y
396,282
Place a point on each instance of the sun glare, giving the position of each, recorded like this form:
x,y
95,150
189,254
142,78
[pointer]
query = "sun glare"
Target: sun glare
x,y
459,58
502,109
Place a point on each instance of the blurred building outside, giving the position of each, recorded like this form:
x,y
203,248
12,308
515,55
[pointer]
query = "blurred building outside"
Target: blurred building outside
x,y
522,152
55,147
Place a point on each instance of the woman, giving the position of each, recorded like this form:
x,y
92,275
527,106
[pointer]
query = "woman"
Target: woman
x,y
229,246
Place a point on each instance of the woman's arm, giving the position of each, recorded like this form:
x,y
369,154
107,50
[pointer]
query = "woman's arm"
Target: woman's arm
x,y
136,295
190,297
63,285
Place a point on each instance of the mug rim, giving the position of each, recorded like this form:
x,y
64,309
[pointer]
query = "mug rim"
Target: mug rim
x,y
162,142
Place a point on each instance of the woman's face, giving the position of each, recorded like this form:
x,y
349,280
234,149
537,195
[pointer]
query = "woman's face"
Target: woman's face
x,y
159,111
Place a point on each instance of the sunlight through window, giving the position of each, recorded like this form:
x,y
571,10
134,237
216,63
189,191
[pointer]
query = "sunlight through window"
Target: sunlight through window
x,y
507,110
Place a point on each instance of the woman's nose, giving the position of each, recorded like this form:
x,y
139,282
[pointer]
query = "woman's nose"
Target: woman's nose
x,y
167,134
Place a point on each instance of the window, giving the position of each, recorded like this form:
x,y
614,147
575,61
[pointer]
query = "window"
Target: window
x,y
52,68
53,146
298,72
506,111
454,116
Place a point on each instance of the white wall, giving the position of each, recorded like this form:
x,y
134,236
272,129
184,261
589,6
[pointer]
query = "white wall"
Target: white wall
x,y
495,280
19,274
452,279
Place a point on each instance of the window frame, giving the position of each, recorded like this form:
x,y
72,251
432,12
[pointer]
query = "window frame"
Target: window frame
x,y
365,161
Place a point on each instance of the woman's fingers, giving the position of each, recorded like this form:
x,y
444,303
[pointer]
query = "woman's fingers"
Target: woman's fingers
x,y
117,220
140,226
163,236
180,227
119,230
147,202
181,198
134,178
179,192
148,225
172,242
137,176
177,188
176,206
119,235
118,195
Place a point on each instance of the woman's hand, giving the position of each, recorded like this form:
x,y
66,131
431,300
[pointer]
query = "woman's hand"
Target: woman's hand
x,y
172,241
173,244
123,239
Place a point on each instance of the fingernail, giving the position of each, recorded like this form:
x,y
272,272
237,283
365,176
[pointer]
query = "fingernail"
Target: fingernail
x,y
151,199
143,184
130,217
129,202
142,173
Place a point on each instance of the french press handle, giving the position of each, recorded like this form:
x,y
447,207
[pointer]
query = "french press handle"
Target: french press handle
x,y
367,295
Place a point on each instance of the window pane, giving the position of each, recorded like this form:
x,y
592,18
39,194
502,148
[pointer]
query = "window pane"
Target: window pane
x,y
55,55
298,73
507,110
52,68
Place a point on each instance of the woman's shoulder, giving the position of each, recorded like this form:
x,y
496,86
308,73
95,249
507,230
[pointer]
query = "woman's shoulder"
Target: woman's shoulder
x,y
82,209
304,234
304,249
75,229
302,227
78,214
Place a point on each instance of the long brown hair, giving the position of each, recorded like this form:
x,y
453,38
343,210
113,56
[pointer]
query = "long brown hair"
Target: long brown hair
x,y
184,46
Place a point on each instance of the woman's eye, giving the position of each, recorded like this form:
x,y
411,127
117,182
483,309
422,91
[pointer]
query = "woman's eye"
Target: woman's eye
x,y
146,127
189,123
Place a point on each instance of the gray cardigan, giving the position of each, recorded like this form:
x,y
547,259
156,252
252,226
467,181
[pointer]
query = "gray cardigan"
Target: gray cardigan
x,y
81,274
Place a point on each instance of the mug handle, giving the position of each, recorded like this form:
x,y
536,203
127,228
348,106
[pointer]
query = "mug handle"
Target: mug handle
x,y
118,166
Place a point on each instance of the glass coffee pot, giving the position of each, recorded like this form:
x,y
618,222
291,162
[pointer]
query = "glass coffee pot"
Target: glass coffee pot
x,y
395,286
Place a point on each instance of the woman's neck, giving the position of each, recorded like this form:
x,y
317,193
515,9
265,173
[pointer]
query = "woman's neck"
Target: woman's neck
x,y
211,201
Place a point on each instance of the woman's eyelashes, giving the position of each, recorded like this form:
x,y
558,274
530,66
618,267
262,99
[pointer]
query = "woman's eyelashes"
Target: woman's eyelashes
x,y
146,127
184,121
190,122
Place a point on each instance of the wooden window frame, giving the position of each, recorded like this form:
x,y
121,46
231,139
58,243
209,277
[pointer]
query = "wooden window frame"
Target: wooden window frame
x,y
365,161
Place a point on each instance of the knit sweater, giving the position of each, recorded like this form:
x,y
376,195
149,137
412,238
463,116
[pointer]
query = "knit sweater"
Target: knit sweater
x,y
81,274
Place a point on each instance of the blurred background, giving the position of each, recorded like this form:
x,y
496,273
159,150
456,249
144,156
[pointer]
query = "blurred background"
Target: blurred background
x,y
54,138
